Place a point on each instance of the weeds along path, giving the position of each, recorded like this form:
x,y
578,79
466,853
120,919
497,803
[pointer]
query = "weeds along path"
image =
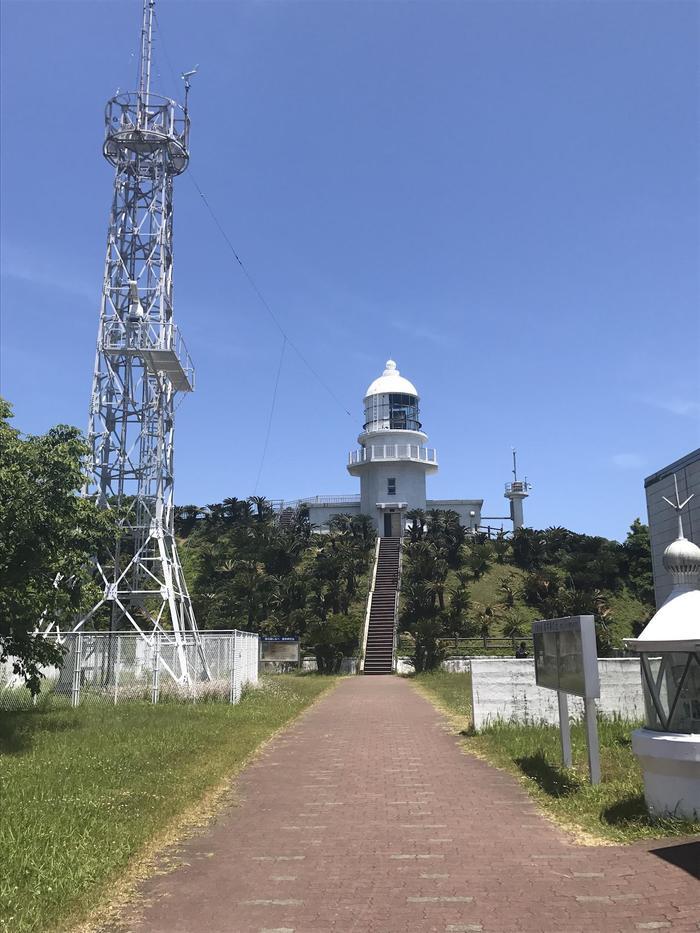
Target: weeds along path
x,y
366,816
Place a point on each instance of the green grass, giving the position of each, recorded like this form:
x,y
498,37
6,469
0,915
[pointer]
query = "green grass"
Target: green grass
x,y
614,810
84,790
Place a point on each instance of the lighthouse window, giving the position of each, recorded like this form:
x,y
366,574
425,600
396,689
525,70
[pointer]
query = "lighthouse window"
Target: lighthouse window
x,y
394,411
391,487
403,412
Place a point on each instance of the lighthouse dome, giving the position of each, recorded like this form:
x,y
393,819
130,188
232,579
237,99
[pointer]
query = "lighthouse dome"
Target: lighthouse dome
x,y
392,381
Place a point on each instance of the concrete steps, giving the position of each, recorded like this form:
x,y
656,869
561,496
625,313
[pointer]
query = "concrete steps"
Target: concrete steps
x,y
379,651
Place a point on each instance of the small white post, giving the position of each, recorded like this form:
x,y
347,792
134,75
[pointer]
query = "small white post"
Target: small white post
x,y
155,673
564,728
232,668
592,740
77,669
117,664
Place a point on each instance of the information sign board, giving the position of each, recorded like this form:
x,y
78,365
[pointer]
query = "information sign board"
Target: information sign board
x,y
565,655
566,660
285,648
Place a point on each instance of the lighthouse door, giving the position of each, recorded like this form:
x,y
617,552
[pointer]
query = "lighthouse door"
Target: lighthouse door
x,y
392,524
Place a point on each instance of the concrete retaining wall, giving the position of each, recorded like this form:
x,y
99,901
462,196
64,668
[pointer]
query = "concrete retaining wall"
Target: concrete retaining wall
x,y
504,688
347,666
453,665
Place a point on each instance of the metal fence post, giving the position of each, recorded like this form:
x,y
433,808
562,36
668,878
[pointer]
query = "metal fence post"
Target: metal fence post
x,y
117,663
232,668
77,669
155,675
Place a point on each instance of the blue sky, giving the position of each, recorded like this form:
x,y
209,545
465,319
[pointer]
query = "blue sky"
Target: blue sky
x,y
501,196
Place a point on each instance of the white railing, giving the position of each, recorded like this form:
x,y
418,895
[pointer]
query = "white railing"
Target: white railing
x,y
397,597
279,505
149,337
518,486
393,452
361,665
109,668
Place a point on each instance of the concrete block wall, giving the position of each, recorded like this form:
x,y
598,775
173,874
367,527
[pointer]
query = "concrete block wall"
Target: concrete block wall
x,y
320,515
663,523
504,688
463,507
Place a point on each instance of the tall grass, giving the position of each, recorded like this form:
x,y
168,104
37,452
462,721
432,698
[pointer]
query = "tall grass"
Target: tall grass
x,y
83,790
613,810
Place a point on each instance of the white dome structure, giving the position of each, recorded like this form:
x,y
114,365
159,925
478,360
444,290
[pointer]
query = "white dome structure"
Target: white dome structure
x,y
682,560
391,380
676,625
668,747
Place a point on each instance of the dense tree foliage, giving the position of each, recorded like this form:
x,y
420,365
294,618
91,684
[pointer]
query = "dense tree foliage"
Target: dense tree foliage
x,y
48,534
247,569
556,572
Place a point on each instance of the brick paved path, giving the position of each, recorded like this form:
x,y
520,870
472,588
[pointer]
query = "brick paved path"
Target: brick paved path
x,y
366,816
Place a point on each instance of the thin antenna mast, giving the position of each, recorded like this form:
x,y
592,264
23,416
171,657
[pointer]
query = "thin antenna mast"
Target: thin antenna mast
x,y
515,466
146,53
678,506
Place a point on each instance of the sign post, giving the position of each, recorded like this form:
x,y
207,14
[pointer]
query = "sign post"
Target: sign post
x,y
564,728
566,660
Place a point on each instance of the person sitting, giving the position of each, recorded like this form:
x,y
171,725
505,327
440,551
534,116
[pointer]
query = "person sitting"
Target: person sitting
x,y
521,650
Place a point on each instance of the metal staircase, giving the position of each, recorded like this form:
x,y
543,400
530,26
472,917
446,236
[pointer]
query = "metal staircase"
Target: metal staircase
x,y
380,626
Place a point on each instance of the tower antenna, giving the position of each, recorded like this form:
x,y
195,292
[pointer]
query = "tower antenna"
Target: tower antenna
x,y
145,58
186,75
678,506
141,364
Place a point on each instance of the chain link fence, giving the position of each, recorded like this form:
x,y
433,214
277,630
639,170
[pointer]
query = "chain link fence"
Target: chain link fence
x,y
114,667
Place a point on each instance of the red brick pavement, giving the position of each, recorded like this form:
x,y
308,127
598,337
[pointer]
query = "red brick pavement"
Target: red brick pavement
x,y
366,816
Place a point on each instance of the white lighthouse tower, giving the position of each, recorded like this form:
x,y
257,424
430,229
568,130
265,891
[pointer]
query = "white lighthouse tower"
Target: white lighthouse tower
x,y
392,461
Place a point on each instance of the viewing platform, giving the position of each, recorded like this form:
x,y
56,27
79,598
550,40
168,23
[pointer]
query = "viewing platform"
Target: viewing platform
x,y
412,452
518,488
160,346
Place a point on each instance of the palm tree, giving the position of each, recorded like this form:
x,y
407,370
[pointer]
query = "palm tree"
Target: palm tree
x,y
436,588
509,591
362,527
186,518
231,509
263,506
216,513
417,519
341,523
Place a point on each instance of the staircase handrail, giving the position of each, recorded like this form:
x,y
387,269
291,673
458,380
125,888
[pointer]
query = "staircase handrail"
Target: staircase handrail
x,y
361,665
396,607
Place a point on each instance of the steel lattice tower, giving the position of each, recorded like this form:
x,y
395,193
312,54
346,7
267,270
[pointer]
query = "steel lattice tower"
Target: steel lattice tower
x,y
141,365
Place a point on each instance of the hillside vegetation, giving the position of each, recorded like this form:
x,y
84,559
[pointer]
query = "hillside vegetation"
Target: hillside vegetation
x,y
245,570
460,585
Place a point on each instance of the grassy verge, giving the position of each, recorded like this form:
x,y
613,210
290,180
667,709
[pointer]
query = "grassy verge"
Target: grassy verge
x,y
613,811
84,791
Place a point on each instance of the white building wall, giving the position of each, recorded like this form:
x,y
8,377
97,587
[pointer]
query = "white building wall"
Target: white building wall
x,y
504,688
410,487
463,507
663,523
320,515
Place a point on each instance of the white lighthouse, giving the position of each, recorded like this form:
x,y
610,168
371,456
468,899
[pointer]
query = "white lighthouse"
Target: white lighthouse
x,y
393,460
